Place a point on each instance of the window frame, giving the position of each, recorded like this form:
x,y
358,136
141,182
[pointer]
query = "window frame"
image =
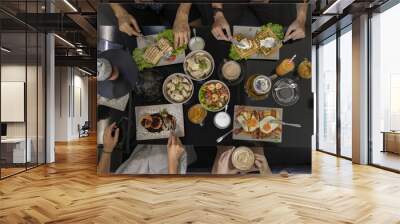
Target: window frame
x,y
337,35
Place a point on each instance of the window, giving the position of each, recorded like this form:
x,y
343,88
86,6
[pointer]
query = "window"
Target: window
x,y
385,89
346,75
327,96
22,77
394,110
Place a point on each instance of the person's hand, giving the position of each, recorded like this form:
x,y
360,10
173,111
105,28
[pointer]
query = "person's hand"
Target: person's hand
x,y
295,31
109,140
220,24
175,151
128,24
224,163
181,31
261,164
175,148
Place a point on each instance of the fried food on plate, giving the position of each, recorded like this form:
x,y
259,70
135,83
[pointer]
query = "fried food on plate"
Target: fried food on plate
x,y
250,46
268,39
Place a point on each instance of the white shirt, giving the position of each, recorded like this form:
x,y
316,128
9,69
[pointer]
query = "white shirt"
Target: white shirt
x,y
153,159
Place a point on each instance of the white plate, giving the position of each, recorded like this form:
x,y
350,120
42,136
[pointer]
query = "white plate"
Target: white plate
x,y
145,41
175,110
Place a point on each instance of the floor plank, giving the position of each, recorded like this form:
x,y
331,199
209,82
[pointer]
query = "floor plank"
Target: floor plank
x,y
69,191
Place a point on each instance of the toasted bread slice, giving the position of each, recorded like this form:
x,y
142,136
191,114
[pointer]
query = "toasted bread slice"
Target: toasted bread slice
x,y
152,55
246,53
266,33
164,45
267,51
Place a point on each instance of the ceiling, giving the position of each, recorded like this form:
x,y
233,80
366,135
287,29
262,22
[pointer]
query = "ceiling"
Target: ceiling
x,y
72,20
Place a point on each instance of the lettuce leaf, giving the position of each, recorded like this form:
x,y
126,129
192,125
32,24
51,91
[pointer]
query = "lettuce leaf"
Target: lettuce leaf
x,y
169,35
137,56
276,28
234,55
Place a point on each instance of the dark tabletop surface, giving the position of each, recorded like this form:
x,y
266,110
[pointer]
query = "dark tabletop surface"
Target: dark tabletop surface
x,y
301,112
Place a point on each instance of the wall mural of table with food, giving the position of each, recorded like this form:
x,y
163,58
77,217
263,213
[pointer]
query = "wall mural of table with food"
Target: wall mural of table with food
x,y
239,103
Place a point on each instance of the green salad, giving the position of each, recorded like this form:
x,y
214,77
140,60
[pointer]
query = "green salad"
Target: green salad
x,y
234,55
137,54
277,29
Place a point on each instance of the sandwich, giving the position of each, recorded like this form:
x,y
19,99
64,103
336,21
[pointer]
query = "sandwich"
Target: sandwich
x,y
164,45
152,55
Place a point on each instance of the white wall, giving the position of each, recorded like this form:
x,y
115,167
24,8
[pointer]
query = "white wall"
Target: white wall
x,y
16,73
71,93
80,94
61,104
33,127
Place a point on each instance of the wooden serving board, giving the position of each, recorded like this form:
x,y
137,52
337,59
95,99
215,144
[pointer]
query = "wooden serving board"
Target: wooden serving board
x,y
250,32
275,136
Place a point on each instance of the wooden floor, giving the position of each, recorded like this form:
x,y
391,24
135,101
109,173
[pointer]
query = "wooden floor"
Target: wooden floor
x,y
387,159
5,172
69,191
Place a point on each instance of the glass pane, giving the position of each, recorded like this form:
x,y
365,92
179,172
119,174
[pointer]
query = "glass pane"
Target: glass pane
x,y
327,96
13,87
41,99
31,98
385,84
346,94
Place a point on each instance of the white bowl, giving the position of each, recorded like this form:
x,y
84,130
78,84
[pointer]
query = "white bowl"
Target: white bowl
x,y
193,53
227,102
167,97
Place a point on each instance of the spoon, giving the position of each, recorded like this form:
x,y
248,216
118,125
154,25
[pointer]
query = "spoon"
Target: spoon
x,y
194,33
224,136
291,85
286,124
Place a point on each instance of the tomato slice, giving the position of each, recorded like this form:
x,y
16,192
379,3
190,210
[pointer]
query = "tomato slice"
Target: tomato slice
x,y
171,58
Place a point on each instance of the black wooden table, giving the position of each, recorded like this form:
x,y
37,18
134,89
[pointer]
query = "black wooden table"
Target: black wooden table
x,y
295,148
204,136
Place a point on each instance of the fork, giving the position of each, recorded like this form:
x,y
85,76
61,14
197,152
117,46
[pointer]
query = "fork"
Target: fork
x,y
287,124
